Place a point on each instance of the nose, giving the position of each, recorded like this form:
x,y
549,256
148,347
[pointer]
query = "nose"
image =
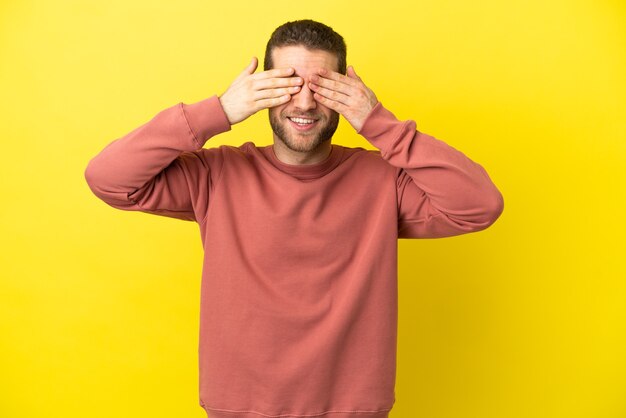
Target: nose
x,y
304,100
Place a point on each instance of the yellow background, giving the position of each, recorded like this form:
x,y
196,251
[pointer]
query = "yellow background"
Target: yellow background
x,y
99,307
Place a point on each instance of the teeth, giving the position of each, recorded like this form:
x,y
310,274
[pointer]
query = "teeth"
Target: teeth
x,y
302,121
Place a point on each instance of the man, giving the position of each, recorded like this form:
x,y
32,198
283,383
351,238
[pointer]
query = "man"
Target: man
x,y
298,309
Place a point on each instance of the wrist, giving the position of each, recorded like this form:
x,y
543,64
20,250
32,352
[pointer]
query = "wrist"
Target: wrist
x,y
206,118
224,106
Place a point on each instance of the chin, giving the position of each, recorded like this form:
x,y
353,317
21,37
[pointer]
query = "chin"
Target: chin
x,y
302,145
303,141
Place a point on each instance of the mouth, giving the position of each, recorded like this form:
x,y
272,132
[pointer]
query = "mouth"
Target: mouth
x,y
302,124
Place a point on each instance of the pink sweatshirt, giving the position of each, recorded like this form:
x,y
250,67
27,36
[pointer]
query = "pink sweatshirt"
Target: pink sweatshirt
x,y
298,312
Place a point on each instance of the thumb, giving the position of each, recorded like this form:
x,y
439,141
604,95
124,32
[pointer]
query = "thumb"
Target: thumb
x,y
253,64
250,68
352,73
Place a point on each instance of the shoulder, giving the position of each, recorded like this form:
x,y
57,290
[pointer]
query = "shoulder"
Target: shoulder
x,y
215,158
226,151
231,155
369,160
359,155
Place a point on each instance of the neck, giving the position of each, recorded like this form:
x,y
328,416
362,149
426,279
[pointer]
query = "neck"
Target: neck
x,y
289,156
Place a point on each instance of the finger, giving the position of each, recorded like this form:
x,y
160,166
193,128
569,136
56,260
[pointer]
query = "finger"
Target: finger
x,y
275,101
250,68
333,75
332,89
331,104
269,93
254,62
331,85
331,94
352,73
275,72
270,83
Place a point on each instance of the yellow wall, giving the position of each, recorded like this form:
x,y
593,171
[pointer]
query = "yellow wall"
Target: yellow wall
x,y
99,307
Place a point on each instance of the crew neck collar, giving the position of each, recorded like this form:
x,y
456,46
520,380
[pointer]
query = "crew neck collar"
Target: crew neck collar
x,y
305,171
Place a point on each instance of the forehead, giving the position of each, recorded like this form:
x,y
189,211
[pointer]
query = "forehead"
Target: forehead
x,y
304,60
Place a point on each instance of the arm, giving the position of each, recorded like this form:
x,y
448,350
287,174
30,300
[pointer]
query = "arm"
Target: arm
x,y
441,192
159,167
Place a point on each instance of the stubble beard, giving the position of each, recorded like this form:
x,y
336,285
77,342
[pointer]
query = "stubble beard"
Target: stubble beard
x,y
313,141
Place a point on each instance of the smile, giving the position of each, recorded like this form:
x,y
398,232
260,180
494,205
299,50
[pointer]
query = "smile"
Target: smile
x,y
302,121
302,124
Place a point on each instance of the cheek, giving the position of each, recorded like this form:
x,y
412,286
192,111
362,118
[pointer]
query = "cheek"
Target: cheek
x,y
328,112
276,111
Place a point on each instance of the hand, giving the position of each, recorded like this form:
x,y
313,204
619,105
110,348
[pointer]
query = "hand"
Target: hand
x,y
251,92
346,95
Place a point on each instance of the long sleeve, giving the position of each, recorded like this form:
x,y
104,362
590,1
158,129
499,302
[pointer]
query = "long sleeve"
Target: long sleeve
x,y
441,192
160,167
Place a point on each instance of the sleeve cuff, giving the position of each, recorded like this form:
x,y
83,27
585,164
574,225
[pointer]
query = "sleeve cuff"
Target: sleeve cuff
x,y
382,128
206,118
